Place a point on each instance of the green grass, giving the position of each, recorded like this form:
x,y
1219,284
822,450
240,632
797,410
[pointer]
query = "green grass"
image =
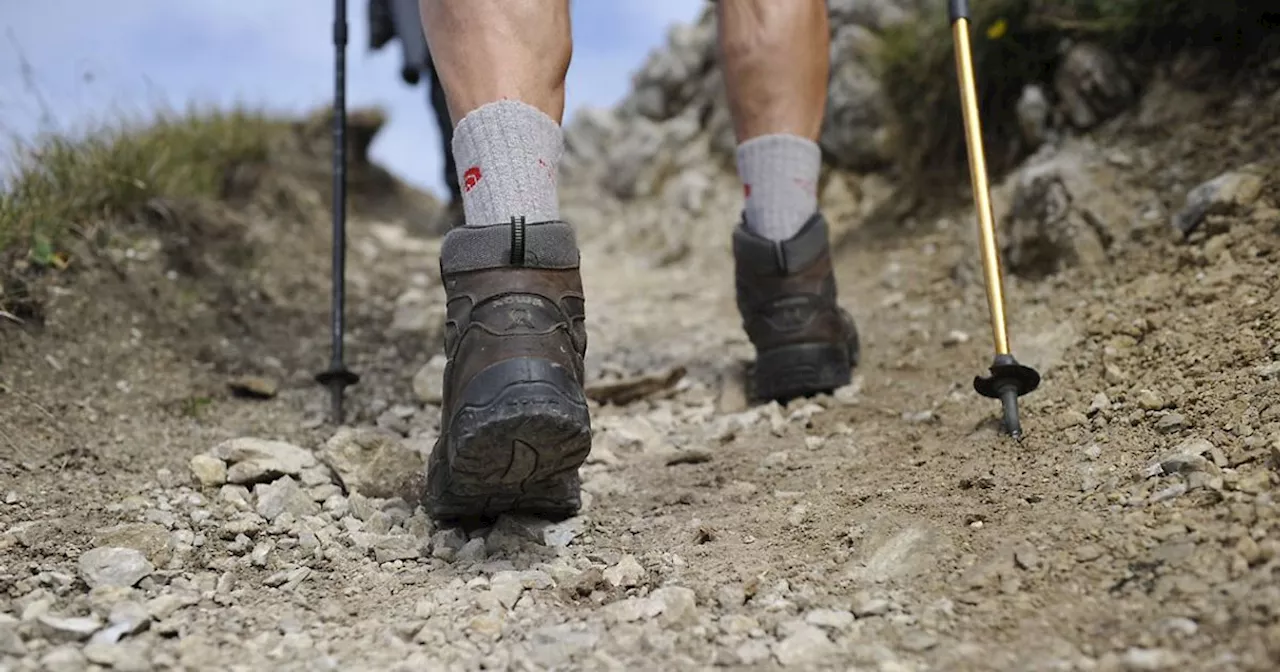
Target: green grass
x,y
1016,42
60,185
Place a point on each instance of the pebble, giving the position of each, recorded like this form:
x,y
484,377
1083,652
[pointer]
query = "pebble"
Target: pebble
x,y
807,646
871,607
506,587
10,642
254,460
955,337
113,566
1069,419
472,552
835,619
753,652
428,383
679,606
66,658
561,534
1171,422
632,609
918,642
152,540
1148,660
69,629
554,535
447,542
282,496
1150,401
373,462
1099,404
208,470
254,387
1221,195
1088,553
131,617
628,573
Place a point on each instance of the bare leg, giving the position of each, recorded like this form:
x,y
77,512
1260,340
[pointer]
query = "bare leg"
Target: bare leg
x,y
776,65
515,426
490,50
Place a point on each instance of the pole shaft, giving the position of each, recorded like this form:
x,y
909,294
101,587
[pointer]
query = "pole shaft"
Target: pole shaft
x,y
339,180
981,189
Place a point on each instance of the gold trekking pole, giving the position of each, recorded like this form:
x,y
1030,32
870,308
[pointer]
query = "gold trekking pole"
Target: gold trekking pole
x,y
1009,379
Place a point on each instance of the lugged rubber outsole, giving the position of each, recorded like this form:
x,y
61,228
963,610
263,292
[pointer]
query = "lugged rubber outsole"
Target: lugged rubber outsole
x,y
803,370
518,435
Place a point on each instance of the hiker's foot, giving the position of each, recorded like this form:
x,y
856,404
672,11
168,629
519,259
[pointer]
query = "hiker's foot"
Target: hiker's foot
x,y
515,426
805,343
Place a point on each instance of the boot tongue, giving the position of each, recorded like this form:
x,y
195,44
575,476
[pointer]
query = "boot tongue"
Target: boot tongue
x,y
517,243
786,256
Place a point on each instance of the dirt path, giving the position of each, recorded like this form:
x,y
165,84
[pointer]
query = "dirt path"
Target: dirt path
x,y
886,528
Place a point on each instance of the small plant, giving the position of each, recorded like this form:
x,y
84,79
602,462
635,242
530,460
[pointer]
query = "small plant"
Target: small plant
x,y
1018,42
62,185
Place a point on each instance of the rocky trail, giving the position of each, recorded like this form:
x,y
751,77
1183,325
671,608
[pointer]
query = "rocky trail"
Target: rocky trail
x,y
172,498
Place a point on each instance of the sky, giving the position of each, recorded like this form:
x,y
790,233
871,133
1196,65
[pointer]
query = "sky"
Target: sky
x,y
67,64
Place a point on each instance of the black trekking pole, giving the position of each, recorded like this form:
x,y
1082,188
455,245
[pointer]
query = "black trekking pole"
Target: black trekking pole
x,y
337,377
1009,379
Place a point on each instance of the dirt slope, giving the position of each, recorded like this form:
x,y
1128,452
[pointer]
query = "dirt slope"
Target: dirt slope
x,y
888,527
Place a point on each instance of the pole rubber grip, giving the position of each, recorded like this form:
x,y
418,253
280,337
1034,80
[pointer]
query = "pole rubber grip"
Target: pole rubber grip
x,y
958,9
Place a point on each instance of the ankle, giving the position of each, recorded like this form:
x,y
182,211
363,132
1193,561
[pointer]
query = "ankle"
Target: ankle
x,y
780,181
508,157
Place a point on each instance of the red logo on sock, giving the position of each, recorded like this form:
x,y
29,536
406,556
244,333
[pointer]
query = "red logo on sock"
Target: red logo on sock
x,y
808,186
746,191
546,168
471,178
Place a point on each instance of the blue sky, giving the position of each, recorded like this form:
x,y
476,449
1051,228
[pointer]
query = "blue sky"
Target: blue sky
x,y
92,60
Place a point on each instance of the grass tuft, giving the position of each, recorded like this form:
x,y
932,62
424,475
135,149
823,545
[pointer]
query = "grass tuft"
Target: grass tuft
x,y
59,185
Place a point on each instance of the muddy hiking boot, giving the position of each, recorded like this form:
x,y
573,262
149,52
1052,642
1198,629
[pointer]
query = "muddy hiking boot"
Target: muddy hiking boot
x,y
514,424
805,343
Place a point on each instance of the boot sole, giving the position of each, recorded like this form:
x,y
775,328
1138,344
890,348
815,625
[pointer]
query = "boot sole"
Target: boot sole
x,y
521,431
803,370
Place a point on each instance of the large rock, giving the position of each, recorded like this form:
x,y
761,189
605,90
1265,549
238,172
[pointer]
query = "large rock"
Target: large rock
x,y
260,460
668,81
113,566
1225,194
855,134
152,540
1065,210
648,154
375,463
284,496
1091,85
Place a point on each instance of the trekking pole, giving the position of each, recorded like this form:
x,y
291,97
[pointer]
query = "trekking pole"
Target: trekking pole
x,y
337,377
1009,379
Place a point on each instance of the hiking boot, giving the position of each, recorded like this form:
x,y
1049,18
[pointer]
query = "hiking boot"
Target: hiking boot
x,y
805,343
514,424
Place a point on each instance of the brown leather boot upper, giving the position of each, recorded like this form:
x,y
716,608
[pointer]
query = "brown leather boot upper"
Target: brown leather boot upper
x,y
786,291
528,304
515,425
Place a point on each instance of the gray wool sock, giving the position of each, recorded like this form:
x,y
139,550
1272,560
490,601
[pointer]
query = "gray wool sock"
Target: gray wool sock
x,y
508,155
780,179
